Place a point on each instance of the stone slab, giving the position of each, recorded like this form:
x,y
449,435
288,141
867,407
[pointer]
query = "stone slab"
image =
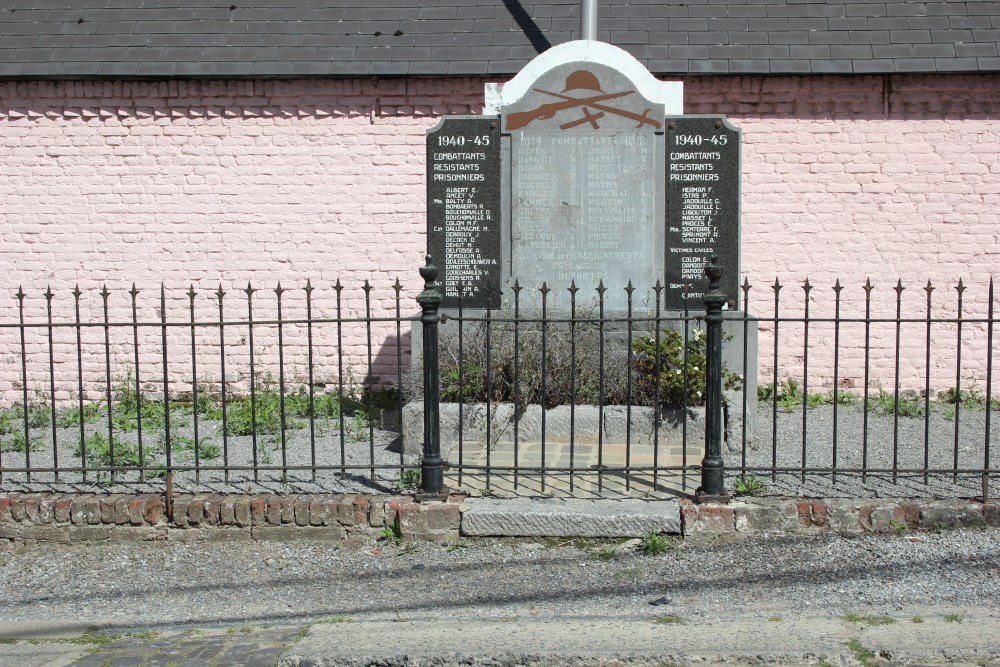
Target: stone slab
x,y
557,517
559,425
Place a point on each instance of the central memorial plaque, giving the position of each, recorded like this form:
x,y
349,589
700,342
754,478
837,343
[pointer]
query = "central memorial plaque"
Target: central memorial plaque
x,y
586,186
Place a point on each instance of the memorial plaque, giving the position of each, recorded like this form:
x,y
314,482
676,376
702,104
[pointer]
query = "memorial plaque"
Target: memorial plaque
x,y
703,208
463,209
586,185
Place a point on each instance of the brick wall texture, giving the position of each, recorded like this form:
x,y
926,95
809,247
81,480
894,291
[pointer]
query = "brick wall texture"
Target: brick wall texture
x,y
222,183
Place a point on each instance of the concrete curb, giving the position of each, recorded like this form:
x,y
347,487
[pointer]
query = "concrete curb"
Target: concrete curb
x,y
559,517
66,518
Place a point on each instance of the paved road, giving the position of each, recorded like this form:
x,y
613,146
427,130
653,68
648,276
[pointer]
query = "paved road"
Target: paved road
x,y
816,639
908,599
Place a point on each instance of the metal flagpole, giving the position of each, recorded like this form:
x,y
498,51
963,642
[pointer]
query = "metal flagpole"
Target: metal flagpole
x,y
588,19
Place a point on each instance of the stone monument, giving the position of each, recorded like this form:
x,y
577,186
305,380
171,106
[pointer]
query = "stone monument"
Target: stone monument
x,y
583,170
583,137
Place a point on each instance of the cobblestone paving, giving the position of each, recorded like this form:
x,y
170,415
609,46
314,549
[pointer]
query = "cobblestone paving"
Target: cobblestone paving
x,y
245,647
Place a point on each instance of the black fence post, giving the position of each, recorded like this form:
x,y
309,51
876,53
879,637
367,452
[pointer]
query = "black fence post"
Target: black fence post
x,y
432,468
712,487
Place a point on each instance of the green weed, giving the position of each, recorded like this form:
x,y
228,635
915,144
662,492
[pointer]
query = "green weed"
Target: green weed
x,y
632,574
130,405
970,399
786,394
392,533
869,619
17,444
862,654
98,452
898,526
456,544
357,427
916,619
409,480
12,418
953,618
654,544
842,398
91,636
749,486
207,450
888,404
70,417
670,619
323,405
263,413
207,406
265,453
606,553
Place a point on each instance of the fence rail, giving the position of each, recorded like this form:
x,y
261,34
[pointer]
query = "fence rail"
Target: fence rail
x,y
853,390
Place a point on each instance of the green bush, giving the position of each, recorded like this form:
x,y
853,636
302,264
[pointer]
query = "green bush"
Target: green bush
x,y
467,385
569,372
676,386
574,370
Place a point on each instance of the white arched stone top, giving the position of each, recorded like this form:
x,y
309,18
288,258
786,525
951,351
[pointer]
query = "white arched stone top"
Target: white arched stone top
x,y
668,93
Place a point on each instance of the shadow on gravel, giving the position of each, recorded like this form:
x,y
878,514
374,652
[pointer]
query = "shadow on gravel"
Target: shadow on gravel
x,y
760,565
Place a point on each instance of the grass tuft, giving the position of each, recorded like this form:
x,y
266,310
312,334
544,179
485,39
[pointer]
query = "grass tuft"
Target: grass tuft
x,y
869,619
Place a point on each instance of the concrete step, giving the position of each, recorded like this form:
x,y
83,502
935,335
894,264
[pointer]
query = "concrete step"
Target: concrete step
x,y
567,517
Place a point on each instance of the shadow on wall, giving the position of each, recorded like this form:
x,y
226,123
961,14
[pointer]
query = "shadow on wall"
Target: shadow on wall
x,y
108,344
856,98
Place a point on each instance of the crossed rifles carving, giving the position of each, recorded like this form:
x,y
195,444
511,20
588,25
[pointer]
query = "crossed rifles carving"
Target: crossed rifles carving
x,y
579,80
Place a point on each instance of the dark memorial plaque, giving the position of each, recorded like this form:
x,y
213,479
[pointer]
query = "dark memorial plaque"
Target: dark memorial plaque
x,y
463,209
703,208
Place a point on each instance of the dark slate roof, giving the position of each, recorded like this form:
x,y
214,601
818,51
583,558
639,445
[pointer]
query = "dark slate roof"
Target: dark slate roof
x,y
292,38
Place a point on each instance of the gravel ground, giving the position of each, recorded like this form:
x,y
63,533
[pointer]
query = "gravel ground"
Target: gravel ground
x,y
946,441
357,445
781,446
170,585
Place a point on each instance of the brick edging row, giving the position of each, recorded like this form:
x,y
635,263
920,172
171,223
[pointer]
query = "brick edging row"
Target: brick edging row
x,y
784,516
57,517
71,517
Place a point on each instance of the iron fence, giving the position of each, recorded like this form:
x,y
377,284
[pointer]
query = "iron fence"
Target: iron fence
x,y
930,426
823,396
217,390
314,389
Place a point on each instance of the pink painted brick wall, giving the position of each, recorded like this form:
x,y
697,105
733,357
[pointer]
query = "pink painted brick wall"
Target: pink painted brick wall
x,y
209,183
880,178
